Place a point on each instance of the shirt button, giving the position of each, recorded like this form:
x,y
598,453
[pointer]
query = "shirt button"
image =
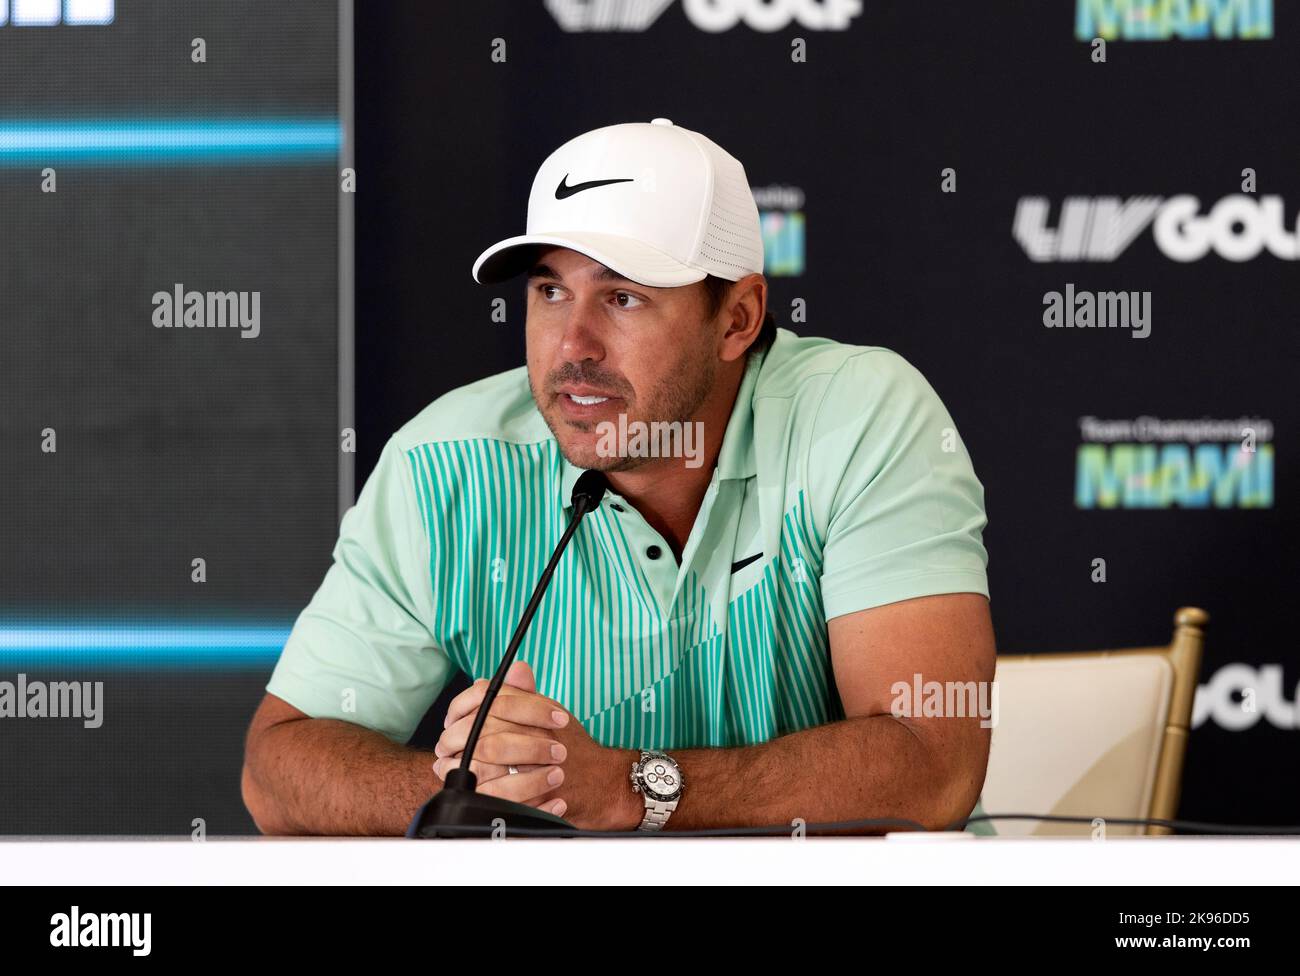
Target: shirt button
x,y
616,507
653,552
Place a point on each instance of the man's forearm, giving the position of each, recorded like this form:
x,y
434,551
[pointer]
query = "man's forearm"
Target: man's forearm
x,y
325,776
854,769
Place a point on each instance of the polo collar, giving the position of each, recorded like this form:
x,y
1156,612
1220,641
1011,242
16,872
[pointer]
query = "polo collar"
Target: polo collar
x,y
736,458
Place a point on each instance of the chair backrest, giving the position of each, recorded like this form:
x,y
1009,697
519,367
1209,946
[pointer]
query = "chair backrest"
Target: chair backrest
x,y
1096,734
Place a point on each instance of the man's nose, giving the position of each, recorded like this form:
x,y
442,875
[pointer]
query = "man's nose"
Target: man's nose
x,y
581,338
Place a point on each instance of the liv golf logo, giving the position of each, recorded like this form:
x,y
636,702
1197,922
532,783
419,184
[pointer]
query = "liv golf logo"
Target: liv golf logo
x,y
715,16
1238,696
1155,463
1237,228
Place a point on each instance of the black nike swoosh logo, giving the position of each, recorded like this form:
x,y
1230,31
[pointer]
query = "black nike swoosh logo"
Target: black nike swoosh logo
x,y
737,567
563,191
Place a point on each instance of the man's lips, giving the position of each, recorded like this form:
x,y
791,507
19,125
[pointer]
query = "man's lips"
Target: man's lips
x,y
585,394
579,401
585,391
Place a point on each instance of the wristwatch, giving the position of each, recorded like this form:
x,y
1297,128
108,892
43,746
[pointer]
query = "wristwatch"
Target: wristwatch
x,y
658,778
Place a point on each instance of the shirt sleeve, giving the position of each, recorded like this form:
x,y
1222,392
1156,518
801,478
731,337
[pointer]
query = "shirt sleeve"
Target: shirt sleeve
x,y
902,509
362,650
982,828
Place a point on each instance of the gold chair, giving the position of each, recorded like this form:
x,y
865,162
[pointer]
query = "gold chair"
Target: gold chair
x,y
1095,734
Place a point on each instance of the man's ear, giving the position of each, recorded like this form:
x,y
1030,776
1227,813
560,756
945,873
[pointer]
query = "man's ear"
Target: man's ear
x,y
746,307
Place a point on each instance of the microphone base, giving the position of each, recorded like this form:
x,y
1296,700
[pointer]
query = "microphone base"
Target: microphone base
x,y
455,812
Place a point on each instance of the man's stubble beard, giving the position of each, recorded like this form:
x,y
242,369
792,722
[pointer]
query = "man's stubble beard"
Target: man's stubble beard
x,y
678,398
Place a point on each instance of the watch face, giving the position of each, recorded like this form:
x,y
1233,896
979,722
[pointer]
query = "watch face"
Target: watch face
x,y
661,777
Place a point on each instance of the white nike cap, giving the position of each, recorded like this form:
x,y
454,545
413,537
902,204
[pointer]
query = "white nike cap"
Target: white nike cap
x,y
659,204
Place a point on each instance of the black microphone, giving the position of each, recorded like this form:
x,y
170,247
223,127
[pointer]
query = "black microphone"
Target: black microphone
x,y
457,810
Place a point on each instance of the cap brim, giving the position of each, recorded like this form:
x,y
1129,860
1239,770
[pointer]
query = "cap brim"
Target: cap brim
x,y
632,259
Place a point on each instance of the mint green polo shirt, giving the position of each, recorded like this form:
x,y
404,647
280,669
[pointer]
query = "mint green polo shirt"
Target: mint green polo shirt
x,y
840,486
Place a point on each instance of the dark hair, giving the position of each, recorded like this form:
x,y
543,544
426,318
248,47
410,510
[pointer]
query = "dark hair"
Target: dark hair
x,y
716,290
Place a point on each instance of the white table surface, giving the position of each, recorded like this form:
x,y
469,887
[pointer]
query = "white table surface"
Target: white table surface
x,y
894,860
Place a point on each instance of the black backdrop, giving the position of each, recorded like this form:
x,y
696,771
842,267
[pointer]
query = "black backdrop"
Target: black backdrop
x,y
845,150
1006,95
171,443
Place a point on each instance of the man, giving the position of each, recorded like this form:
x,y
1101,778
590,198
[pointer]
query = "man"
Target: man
x,y
792,534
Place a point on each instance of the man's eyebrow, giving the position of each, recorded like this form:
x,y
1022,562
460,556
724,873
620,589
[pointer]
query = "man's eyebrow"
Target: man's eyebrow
x,y
542,271
604,274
